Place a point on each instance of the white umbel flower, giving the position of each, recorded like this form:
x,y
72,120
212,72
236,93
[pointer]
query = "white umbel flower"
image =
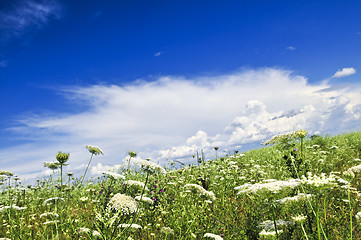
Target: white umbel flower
x,y
123,203
214,236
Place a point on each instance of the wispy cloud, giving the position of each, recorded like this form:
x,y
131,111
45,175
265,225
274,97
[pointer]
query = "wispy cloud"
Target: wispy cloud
x,y
172,117
20,16
290,48
344,72
157,54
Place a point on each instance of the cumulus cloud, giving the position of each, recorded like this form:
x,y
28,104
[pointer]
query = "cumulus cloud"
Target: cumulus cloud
x,y
344,72
170,118
19,16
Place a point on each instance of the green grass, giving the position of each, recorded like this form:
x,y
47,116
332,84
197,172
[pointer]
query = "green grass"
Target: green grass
x,y
180,212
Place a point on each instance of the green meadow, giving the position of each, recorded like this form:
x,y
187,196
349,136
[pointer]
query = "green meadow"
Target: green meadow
x,y
296,186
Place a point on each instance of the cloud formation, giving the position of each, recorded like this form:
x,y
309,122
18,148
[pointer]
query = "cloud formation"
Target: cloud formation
x,y
344,72
170,118
20,16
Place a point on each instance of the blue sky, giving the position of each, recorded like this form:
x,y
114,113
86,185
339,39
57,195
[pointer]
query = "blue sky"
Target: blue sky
x,y
167,78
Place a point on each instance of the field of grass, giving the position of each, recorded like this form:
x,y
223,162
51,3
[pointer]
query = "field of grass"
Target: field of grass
x,y
296,187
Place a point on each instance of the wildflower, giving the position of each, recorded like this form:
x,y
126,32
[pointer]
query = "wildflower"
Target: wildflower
x,y
269,234
269,225
84,230
214,236
62,157
290,136
52,200
96,234
148,165
2,209
300,218
358,216
114,175
70,174
52,165
133,225
318,181
144,199
296,198
334,148
5,172
167,230
348,175
355,169
201,191
136,183
51,222
124,203
83,199
49,214
269,184
94,150
132,154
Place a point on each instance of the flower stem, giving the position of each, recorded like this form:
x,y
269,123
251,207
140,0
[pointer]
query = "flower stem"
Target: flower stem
x,y
91,157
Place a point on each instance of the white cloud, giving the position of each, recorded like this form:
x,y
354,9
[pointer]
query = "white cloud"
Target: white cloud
x,y
3,63
344,72
22,15
291,48
157,54
174,117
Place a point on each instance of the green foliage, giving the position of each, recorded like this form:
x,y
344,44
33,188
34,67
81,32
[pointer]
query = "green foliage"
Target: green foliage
x,y
82,211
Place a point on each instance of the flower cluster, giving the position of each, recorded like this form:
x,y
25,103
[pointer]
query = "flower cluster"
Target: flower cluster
x,y
269,234
49,214
123,203
114,175
136,183
300,218
214,236
296,198
270,185
269,225
289,136
201,191
148,165
17,208
319,181
94,150
52,200
144,199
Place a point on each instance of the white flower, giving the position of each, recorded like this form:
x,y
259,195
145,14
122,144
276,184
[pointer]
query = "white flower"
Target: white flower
x,y
51,222
94,150
144,199
2,209
296,198
84,230
49,214
358,216
124,203
136,183
269,225
300,218
133,225
150,165
83,199
201,191
270,185
269,234
96,234
53,200
318,181
214,236
114,175
355,169
167,230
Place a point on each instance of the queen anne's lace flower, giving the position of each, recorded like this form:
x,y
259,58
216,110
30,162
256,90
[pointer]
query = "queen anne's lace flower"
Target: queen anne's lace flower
x,y
136,183
150,165
270,185
123,203
144,199
214,236
201,191
94,150
114,175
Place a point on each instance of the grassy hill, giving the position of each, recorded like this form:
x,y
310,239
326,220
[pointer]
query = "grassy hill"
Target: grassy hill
x,y
296,187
